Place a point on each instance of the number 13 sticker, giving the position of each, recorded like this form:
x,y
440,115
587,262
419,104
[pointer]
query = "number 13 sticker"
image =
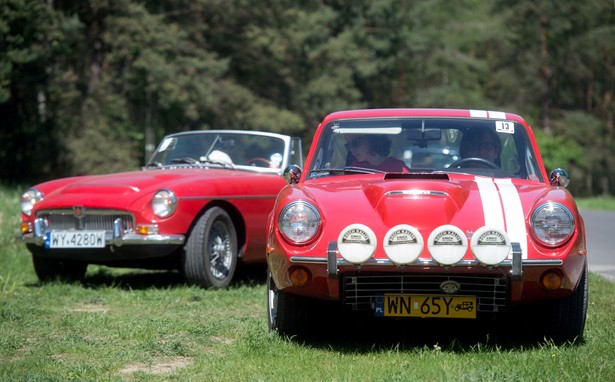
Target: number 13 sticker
x,y
505,127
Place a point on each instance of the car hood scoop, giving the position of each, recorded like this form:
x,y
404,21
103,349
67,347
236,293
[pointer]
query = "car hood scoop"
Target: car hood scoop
x,y
434,199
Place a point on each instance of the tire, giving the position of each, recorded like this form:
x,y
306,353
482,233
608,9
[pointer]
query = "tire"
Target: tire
x,y
568,314
289,315
210,253
53,269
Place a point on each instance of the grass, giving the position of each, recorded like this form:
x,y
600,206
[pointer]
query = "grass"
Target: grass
x,y
132,325
597,203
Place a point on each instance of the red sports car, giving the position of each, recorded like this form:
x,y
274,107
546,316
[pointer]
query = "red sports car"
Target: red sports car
x,y
199,205
426,213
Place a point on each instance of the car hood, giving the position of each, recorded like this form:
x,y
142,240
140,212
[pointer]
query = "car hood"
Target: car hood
x,y
120,190
426,202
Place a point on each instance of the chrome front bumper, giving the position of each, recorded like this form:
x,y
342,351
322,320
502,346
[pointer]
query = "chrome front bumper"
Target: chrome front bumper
x,y
117,237
333,262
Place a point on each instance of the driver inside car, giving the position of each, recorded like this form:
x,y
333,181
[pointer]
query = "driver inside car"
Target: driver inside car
x,y
372,151
482,144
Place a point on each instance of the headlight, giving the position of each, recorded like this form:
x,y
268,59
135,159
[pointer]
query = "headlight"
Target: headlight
x,y
403,244
299,222
552,223
29,199
357,243
164,203
490,246
447,244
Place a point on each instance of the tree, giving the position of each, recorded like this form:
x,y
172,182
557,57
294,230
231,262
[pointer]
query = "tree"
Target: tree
x,y
91,86
26,145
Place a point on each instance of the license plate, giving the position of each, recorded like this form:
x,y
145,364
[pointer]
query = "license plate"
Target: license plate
x,y
75,239
425,305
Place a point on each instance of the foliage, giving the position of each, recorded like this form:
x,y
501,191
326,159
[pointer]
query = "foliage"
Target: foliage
x,y
92,86
559,151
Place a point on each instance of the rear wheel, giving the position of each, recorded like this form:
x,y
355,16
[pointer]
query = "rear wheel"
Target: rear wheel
x,y
210,253
568,314
54,269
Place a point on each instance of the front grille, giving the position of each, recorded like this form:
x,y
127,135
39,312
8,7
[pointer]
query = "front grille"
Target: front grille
x,y
65,220
359,291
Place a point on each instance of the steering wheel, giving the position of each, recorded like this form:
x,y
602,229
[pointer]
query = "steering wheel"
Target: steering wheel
x,y
259,160
463,161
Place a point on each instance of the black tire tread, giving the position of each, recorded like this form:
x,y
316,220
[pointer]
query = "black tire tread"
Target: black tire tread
x,y
569,314
194,259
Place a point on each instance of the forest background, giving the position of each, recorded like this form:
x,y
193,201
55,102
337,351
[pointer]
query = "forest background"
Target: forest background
x,y
91,86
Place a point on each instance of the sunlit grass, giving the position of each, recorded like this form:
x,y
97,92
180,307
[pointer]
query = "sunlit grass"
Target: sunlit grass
x,y
597,203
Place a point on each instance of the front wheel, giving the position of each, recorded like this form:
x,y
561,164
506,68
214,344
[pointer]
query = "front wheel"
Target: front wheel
x,y
568,314
54,269
210,253
287,314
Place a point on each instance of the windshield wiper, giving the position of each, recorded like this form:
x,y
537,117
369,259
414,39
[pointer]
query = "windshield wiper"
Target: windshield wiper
x,y
154,164
186,160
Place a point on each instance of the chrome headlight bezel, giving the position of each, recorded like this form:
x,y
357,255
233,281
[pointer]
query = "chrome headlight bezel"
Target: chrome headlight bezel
x,y
552,224
299,222
164,203
29,199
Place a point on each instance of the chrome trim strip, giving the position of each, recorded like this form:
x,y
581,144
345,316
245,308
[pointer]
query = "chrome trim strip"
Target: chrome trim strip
x,y
416,193
229,197
423,262
134,239
90,211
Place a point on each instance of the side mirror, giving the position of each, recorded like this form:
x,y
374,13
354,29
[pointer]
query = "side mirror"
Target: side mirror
x,y
292,174
559,178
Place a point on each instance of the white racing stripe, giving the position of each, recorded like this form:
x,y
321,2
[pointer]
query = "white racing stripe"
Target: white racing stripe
x,y
513,211
492,208
502,208
487,114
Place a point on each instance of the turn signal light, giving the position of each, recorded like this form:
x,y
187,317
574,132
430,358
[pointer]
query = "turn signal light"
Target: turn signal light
x,y
552,280
26,227
147,229
299,276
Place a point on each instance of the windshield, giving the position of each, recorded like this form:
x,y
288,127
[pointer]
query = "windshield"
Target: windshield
x,y
263,152
486,147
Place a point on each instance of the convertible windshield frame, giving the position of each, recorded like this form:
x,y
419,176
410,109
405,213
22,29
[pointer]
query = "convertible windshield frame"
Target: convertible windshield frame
x,y
253,151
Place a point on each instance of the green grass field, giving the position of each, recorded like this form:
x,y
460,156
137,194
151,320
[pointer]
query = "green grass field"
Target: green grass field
x,y
132,325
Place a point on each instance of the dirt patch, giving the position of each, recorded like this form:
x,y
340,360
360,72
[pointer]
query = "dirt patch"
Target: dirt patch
x,y
224,341
91,308
166,366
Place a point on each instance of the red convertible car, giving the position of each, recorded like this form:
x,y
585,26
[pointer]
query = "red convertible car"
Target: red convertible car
x,y
426,213
200,205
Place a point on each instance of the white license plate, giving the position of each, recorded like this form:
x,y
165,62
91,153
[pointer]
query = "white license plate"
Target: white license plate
x,y
76,239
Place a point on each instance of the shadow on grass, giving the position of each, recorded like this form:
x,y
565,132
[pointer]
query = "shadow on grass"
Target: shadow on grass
x,y
459,336
140,279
